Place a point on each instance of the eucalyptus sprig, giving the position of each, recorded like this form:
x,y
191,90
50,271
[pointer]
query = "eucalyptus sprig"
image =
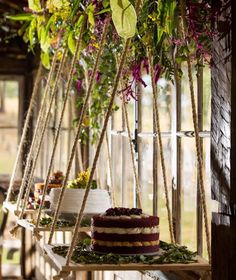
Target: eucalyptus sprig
x,y
172,253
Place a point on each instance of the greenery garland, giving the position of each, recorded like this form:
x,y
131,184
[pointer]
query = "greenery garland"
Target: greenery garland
x,y
172,253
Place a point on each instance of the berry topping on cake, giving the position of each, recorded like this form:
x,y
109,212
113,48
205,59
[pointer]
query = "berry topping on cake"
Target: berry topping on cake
x,y
122,211
56,178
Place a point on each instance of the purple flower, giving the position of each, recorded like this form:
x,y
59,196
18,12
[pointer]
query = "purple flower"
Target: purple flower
x,y
79,85
157,72
98,76
146,65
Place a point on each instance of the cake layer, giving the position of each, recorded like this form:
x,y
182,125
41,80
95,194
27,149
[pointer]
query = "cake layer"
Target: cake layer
x,y
125,250
121,222
98,200
125,237
125,243
142,230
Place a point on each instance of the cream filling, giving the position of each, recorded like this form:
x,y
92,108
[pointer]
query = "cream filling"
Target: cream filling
x,y
126,217
144,230
125,243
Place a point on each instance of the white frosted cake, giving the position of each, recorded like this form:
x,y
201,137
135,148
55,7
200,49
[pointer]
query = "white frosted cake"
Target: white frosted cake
x,y
98,200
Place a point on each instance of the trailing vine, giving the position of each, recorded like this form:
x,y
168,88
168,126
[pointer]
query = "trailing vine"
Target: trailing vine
x,y
56,24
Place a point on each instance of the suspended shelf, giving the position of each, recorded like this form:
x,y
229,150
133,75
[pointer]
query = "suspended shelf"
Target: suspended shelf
x,y
30,226
60,262
12,208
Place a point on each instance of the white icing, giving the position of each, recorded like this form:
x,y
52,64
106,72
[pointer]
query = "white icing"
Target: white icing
x,y
98,200
143,230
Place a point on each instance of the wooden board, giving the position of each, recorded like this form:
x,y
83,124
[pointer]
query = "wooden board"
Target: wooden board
x,y
11,207
60,262
27,225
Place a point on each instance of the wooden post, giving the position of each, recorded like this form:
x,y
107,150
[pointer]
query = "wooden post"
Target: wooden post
x,y
223,147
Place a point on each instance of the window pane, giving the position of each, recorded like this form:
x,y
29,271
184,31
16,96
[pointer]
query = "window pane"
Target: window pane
x,y
146,175
164,105
162,211
189,192
8,146
206,98
117,115
116,155
9,103
186,112
8,118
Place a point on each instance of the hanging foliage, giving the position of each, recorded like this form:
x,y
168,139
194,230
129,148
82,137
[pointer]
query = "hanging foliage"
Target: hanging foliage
x,y
58,22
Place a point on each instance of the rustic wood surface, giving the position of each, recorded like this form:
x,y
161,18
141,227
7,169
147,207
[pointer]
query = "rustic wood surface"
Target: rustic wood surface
x,y
60,262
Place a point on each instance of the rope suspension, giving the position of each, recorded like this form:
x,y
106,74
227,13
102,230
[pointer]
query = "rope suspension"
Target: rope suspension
x,y
35,136
56,137
25,130
42,133
68,86
82,114
158,129
196,131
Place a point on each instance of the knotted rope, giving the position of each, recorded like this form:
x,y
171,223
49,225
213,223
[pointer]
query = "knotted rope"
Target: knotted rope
x,y
196,131
82,114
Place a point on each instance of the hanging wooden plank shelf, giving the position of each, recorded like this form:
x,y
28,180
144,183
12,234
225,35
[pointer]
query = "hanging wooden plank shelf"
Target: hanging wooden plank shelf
x,y
12,208
60,262
30,226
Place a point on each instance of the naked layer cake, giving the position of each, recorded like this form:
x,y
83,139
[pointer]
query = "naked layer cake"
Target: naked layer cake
x,y
125,231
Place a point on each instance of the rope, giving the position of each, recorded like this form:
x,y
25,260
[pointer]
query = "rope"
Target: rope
x,y
197,138
111,189
137,182
82,114
88,186
68,86
158,129
56,137
39,121
42,133
25,130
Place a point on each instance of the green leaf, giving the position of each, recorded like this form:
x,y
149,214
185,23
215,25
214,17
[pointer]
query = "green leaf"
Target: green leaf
x,y
71,42
35,5
124,18
45,41
23,17
32,32
90,13
45,59
103,11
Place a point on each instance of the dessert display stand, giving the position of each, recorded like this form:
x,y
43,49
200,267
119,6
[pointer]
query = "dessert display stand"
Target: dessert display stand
x,y
60,262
